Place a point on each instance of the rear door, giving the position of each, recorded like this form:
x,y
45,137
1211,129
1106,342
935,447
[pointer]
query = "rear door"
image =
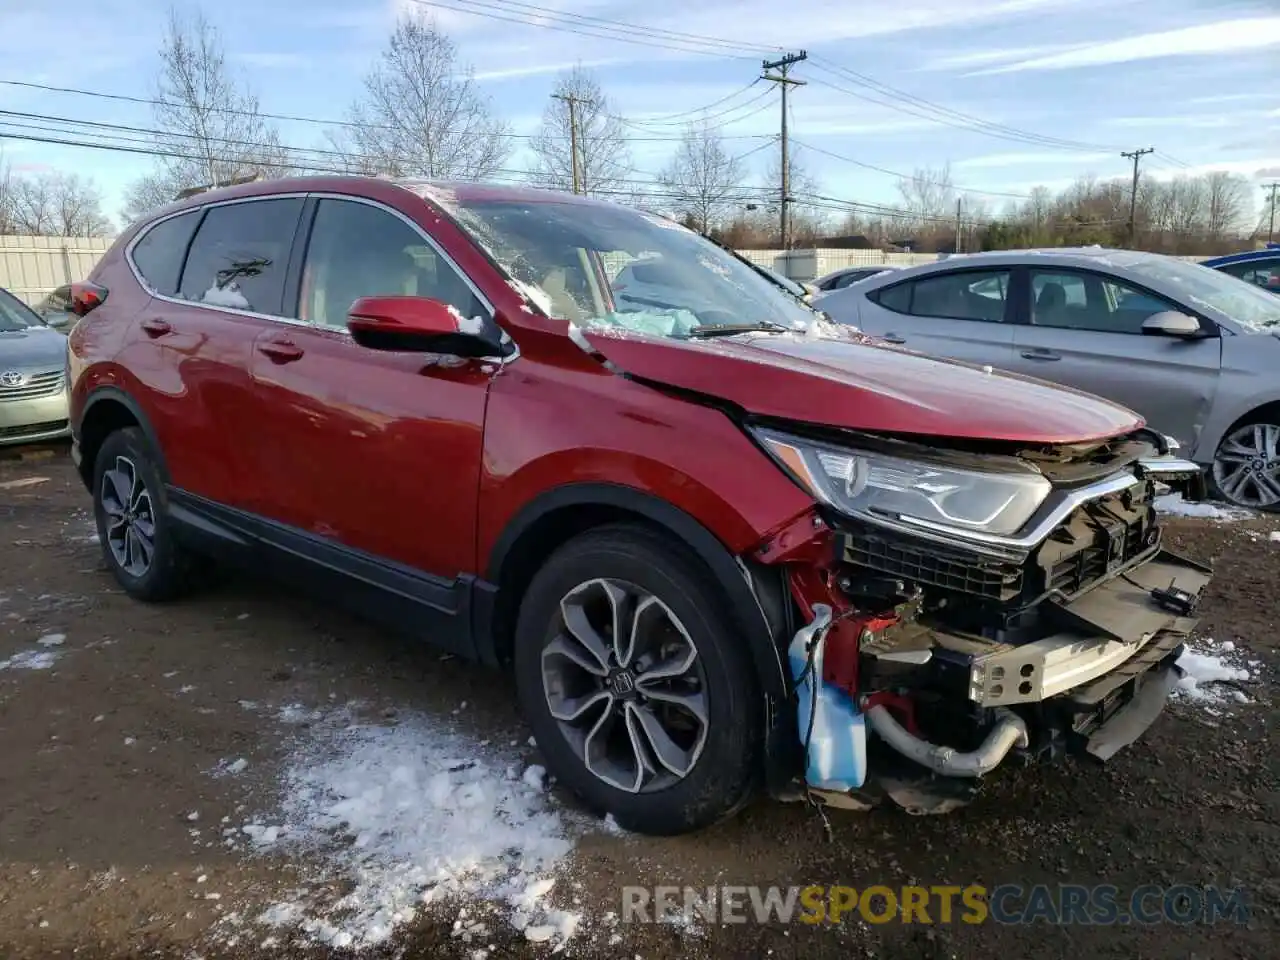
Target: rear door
x,y
375,451
1084,330
960,314
212,294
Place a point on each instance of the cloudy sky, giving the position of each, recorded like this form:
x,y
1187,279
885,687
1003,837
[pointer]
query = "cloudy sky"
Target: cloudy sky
x,y
1011,93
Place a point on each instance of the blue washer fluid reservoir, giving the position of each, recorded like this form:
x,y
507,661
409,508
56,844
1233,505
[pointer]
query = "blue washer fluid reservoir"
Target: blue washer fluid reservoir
x,y
837,755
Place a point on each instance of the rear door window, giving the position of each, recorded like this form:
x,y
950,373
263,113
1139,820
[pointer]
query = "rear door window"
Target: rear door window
x,y
158,255
964,295
240,255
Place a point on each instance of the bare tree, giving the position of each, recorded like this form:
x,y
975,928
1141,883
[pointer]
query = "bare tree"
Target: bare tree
x,y
56,205
1225,202
928,195
604,160
6,197
421,114
704,177
212,123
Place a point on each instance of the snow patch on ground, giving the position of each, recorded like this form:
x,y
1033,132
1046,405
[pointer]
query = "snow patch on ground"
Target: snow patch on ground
x,y
411,815
1212,671
31,660
1173,505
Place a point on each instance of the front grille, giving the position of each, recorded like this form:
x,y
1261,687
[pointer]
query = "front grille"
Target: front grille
x,y
33,429
932,565
1100,537
33,387
1089,546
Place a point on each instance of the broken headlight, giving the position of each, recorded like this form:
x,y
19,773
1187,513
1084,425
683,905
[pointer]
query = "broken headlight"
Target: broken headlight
x,y
905,493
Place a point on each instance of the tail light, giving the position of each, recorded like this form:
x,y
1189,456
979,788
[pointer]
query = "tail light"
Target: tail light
x,y
86,296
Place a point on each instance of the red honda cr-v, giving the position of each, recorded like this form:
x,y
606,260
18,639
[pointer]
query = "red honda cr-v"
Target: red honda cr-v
x,y
719,541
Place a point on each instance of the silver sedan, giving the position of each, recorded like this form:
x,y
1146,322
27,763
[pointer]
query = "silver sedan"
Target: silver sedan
x,y
33,389
1193,350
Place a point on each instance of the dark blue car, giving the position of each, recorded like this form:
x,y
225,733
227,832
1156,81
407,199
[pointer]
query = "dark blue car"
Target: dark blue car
x,y
1260,267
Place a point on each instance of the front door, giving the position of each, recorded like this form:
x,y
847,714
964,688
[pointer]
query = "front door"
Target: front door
x,y
374,451
1085,331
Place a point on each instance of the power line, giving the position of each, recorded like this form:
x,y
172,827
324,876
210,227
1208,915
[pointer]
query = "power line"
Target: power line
x,y
668,122
903,176
528,14
699,112
231,111
295,157
742,194
746,194
967,120
555,20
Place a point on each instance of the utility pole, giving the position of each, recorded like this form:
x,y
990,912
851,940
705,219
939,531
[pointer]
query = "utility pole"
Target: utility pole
x,y
1133,196
1271,226
781,78
573,102
957,224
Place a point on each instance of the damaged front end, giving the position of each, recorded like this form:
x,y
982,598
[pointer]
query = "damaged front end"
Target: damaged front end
x,y
971,606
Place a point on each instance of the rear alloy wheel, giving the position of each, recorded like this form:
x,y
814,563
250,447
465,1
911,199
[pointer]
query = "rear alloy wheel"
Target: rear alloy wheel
x,y
129,507
632,672
1246,470
131,517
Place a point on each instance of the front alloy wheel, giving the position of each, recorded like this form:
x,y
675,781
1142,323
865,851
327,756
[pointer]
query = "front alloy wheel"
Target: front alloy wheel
x,y
130,516
1246,470
623,681
632,670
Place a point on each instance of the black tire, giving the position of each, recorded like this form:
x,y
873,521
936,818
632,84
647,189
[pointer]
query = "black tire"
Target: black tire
x,y
170,573
727,771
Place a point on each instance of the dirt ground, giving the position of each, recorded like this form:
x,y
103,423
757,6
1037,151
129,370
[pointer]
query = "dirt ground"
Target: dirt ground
x,y
110,839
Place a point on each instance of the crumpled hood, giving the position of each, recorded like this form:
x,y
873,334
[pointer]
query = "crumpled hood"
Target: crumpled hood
x,y
857,383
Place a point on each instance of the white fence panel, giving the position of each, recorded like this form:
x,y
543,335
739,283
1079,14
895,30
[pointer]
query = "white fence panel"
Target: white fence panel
x,y
31,267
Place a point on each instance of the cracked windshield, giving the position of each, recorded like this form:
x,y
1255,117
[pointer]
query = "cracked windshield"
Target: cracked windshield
x,y
610,266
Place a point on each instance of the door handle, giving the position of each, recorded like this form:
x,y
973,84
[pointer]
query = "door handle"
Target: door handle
x,y
893,338
1041,354
155,327
280,351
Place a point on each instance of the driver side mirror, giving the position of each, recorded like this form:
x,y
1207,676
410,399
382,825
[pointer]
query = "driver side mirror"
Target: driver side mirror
x,y
419,325
1170,323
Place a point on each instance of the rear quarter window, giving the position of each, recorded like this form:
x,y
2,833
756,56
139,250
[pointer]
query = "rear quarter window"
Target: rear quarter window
x,y
158,255
896,298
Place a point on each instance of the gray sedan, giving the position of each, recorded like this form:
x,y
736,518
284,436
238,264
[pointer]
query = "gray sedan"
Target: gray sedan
x,y
33,388
1195,351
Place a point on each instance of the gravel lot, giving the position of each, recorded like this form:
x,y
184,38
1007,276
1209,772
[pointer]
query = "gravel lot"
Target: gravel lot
x,y
248,774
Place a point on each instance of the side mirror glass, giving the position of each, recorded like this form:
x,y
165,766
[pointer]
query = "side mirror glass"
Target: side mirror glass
x,y
421,325
1170,323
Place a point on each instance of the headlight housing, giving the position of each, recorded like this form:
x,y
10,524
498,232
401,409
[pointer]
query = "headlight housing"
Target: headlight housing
x,y
899,492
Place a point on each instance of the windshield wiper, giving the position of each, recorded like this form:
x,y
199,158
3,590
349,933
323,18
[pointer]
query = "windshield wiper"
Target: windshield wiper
x,y
729,329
